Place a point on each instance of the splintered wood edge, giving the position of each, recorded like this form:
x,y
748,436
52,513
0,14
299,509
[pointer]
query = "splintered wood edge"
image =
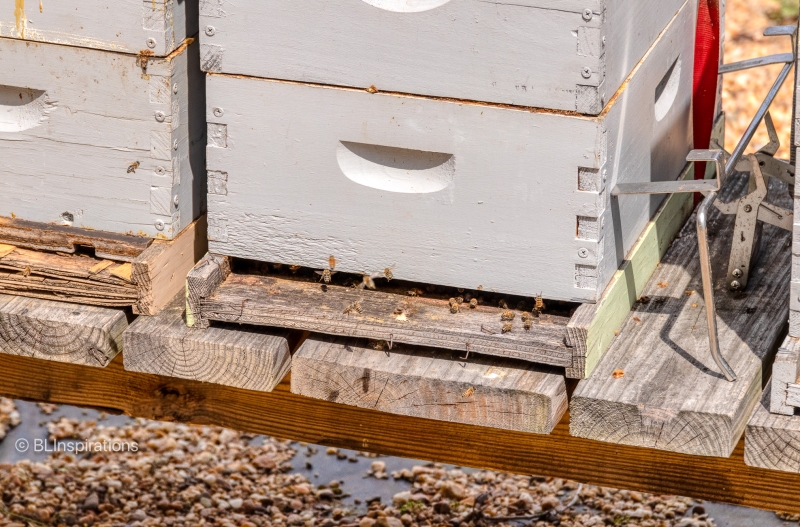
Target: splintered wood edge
x,y
785,370
320,422
209,272
594,326
772,441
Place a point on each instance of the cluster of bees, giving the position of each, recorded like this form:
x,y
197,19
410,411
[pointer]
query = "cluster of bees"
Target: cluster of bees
x,y
367,280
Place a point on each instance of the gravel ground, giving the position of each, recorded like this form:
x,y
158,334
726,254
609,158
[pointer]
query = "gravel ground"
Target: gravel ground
x,y
9,416
193,475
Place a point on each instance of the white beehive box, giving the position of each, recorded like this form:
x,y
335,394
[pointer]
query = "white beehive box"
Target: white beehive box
x,y
564,55
101,140
128,26
451,193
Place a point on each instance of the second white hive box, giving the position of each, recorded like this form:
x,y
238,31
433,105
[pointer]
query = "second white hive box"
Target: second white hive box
x,y
513,200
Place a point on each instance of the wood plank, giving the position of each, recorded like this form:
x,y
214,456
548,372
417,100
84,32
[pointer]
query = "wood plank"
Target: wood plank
x,y
785,371
283,414
61,238
672,396
345,311
57,331
250,358
201,282
793,395
71,277
772,441
160,271
593,326
430,383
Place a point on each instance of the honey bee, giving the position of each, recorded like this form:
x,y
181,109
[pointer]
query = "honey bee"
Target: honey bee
x,y
459,300
468,392
538,304
325,275
507,316
387,273
526,317
294,268
473,303
415,292
331,263
355,307
527,324
452,301
454,308
133,166
378,345
507,327
367,282
502,304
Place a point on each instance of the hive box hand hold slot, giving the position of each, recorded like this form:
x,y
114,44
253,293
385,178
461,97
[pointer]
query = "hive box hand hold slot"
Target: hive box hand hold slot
x,y
442,192
563,55
101,140
149,27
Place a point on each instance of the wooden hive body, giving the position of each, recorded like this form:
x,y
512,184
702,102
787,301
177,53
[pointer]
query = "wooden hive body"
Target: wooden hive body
x,y
156,27
564,55
101,140
452,193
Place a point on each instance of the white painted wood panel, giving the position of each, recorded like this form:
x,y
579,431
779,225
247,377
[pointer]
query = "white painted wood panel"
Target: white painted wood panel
x,y
449,193
541,53
129,26
101,140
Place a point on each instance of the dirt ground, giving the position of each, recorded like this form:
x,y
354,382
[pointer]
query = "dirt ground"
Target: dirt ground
x,y
743,91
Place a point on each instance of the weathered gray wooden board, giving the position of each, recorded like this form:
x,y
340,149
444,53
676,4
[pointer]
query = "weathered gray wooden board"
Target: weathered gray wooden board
x,y
214,294
434,384
772,441
539,53
57,331
249,358
101,140
129,26
447,193
794,304
672,395
785,372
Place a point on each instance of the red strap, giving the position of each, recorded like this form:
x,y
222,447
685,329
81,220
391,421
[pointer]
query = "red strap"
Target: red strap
x,y
706,70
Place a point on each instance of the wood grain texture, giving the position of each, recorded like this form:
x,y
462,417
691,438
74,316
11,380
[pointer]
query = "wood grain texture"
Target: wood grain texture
x,y
272,301
593,326
283,414
772,441
250,358
429,383
785,371
201,282
512,185
66,277
467,49
672,396
127,131
58,331
160,271
91,24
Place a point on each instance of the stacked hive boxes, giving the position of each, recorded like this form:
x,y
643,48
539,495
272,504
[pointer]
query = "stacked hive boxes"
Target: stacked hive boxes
x,y
101,115
457,142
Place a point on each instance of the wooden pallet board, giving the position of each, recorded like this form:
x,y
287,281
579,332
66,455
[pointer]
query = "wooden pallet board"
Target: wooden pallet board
x,y
772,441
785,382
148,283
430,383
283,414
252,358
58,331
214,293
671,395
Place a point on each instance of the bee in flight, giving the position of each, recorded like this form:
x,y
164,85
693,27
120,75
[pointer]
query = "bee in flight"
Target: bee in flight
x,y
326,274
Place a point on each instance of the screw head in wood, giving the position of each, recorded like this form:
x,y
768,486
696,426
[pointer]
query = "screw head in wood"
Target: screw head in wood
x,y
737,273
175,88
587,14
211,31
151,43
160,116
159,225
583,252
748,208
219,112
587,72
175,144
735,284
175,200
160,171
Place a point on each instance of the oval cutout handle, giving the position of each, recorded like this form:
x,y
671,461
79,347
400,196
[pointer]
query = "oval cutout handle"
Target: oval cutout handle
x,y
406,6
396,169
22,108
667,90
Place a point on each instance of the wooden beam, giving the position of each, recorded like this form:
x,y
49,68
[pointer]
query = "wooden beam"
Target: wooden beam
x,y
285,415
345,311
160,271
430,383
251,358
593,326
58,331
658,386
772,441
785,371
